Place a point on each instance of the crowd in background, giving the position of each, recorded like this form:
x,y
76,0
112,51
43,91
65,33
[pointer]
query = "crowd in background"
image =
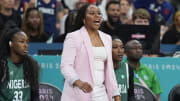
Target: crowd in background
x,y
50,20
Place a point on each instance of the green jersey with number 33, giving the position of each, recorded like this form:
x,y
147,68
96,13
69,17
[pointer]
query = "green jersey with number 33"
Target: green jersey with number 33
x,y
16,89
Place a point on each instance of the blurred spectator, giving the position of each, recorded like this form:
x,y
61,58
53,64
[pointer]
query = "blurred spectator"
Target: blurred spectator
x,y
7,13
20,6
142,74
102,5
60,18
68,21
164,9
33,26
125,13
160,10
78,5
17,4
113,13
48,9
172,36
141,17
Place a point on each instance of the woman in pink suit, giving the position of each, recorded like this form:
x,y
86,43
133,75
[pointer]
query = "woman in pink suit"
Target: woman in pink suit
x,y
87,60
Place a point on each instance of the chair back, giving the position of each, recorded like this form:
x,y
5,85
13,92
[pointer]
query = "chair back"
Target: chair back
x,y
49,92
143,94
174,94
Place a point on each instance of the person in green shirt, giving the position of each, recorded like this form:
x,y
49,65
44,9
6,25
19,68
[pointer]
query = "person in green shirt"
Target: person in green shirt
x,y
142,74
18,71
124,73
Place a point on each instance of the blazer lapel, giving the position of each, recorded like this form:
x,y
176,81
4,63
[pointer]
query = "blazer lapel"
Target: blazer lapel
x,y
88,45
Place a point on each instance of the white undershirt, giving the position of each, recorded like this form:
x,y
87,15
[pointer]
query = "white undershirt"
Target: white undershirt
x,y
98,69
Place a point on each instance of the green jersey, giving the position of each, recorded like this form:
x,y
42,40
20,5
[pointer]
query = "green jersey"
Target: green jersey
x,y
149,77
16,89
122,77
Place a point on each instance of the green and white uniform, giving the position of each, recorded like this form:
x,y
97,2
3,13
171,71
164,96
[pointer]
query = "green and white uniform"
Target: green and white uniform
x,y
149,77
122,76
16,89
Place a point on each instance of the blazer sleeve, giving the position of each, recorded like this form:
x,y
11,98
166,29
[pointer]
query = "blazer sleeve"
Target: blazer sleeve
x,y
68,58
116,91
111,76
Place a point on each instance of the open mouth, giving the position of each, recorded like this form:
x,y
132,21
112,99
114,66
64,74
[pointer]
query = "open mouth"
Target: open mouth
x,y
97,22
25,51
120,55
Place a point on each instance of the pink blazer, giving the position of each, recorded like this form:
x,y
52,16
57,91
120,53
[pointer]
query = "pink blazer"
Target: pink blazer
x,y
77,63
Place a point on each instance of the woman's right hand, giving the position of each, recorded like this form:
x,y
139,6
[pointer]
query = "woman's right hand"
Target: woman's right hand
x,y
84,86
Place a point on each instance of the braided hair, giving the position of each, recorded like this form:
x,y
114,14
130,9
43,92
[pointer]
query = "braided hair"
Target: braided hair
x,y
30,66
